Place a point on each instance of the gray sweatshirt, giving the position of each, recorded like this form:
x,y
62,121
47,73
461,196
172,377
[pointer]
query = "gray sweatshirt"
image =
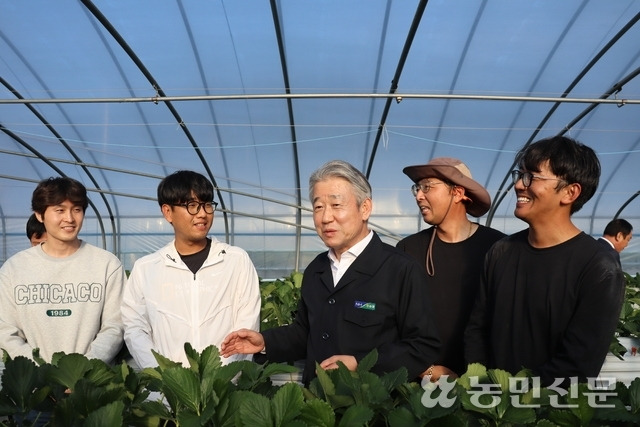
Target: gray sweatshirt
x,y
69,304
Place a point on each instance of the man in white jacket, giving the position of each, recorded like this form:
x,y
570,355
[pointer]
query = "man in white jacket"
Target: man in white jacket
x,y
196,289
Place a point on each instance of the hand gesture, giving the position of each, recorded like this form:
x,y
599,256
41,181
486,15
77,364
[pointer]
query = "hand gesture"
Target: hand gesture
x,y
434,372
332,363
243,341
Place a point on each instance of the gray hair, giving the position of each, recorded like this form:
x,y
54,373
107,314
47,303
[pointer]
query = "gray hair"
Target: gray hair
x,y
342,169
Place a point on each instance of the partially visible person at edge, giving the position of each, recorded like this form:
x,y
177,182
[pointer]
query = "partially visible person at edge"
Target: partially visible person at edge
x,y
452,251
551,295
195,289
616,236
360,295
36,232
64,294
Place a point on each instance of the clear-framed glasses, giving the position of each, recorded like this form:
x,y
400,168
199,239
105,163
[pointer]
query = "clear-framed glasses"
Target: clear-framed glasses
x,y
423,187
193,207
527,177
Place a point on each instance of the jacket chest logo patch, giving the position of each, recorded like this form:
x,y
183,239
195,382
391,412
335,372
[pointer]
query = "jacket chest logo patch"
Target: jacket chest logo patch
x,y
365,305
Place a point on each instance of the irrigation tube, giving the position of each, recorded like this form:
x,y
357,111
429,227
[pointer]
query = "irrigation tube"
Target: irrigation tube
x,y
397,96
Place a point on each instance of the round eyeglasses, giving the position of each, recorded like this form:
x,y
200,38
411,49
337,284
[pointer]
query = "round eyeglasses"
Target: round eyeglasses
x,y
423,187
528,177
194,207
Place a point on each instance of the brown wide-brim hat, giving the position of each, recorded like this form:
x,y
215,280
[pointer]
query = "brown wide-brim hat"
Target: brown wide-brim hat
x,y
453,170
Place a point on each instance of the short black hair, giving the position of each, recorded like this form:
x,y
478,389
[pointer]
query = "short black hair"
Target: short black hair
x,y
35,227
182,185
569,160
616,226
55,190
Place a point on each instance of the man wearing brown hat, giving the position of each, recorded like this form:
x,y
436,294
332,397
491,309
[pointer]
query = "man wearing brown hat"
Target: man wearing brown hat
x,y
452,250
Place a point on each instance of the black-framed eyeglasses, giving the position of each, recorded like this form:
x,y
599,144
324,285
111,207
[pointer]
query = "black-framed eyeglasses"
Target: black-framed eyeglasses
x,y
527,177
423,187
193,207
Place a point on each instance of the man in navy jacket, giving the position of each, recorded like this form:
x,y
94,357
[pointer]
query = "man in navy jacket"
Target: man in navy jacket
x,y
360,295
616,236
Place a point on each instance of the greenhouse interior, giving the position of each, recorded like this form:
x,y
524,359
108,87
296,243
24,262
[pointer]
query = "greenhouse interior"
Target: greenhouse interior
x,y
256,95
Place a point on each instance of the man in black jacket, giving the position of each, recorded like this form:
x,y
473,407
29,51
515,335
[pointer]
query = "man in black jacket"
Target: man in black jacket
x,y
616,236
360,295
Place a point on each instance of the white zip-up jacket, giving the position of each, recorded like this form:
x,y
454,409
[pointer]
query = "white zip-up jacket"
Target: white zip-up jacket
x,y
165,305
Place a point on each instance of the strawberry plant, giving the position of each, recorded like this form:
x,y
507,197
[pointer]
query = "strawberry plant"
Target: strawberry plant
x,y
279,300
629,321
75,391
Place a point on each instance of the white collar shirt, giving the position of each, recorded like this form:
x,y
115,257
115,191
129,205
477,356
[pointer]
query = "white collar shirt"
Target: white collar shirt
x,y
609,242
340,266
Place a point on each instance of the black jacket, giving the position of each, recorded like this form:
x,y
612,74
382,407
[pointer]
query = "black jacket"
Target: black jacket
x,y
380,302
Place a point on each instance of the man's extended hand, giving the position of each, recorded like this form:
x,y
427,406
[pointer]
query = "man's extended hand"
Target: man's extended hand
x,y
434,372
243,341
332,363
